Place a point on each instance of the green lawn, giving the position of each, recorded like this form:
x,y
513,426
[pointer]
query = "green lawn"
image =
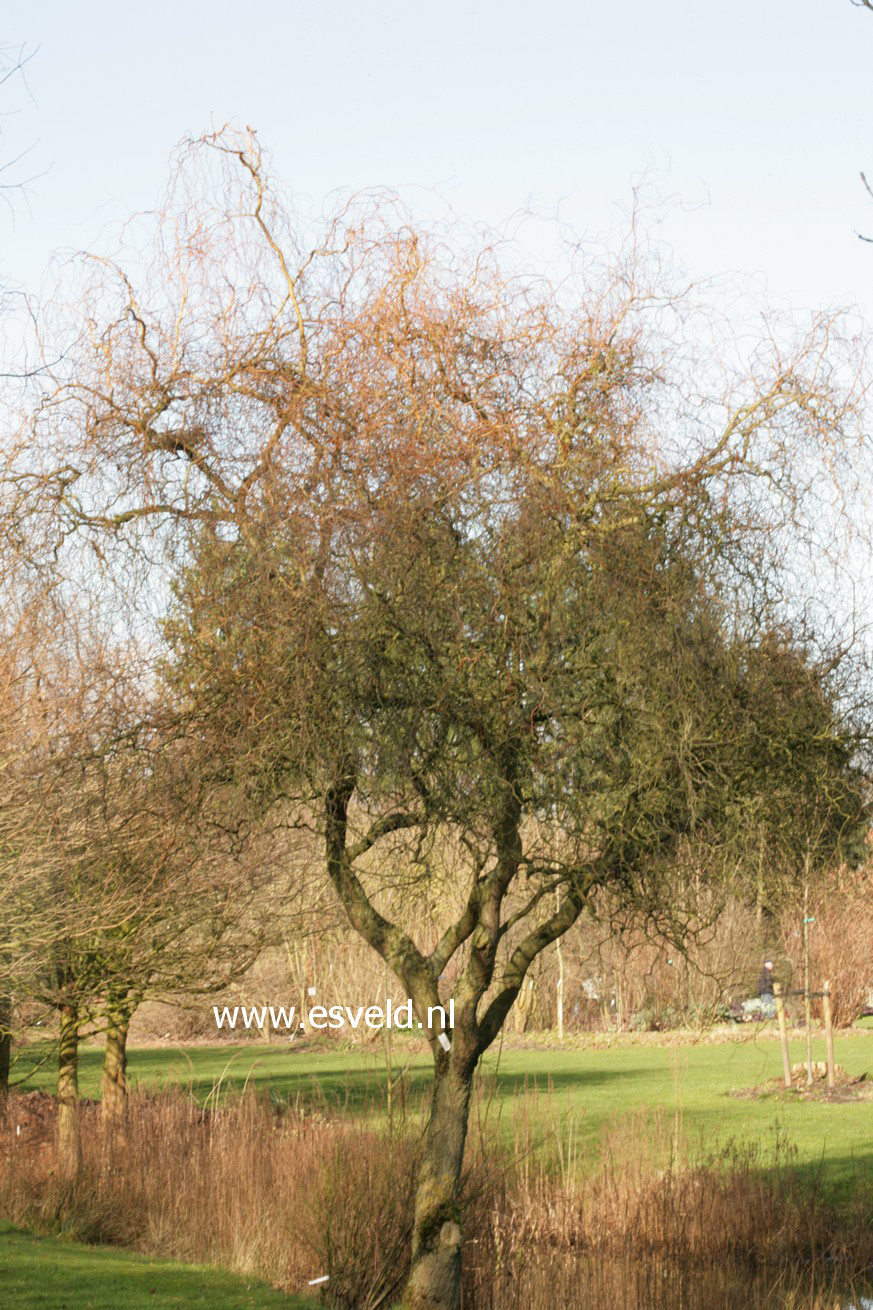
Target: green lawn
x,y
594,1085
44,1271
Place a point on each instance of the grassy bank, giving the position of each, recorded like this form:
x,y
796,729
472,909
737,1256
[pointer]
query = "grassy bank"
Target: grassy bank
x,y
44,1271
697,1082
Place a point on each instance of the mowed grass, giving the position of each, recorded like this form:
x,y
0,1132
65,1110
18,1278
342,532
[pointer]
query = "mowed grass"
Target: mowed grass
x,y
595,1086
45,1271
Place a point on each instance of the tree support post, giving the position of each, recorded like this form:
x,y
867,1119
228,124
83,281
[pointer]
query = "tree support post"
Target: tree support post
x,y
829,1033
560,989
5,1043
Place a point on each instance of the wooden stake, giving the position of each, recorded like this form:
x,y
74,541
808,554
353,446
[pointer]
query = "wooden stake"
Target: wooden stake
x,y
560,978
829,1033
783,1033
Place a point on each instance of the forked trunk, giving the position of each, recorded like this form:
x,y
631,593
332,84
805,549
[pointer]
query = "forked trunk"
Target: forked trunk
x,y
435,1278
5,1042
69,1136
114,1103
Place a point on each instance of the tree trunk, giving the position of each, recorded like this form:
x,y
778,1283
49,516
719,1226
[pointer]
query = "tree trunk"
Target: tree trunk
x,y
69,1136
435,1278
5,1042
114,1105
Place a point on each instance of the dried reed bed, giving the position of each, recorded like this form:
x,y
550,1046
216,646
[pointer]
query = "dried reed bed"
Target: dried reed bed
x,y
290,1193
284,1193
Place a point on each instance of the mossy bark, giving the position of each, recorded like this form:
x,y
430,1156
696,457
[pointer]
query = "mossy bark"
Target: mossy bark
x,y
435,1277
69,1133
114,1086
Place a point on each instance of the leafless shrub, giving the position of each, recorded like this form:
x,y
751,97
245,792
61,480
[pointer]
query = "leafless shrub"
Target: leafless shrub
x,y
840,942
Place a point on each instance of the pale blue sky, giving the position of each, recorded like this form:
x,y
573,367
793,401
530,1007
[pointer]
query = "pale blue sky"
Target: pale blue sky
x,y
761,108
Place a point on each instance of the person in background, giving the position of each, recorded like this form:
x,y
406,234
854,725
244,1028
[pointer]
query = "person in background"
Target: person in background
x,y
765,987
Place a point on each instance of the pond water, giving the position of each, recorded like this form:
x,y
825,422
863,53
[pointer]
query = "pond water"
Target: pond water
x,y
562,1282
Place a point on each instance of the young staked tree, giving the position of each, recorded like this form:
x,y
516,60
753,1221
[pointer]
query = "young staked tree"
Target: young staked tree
x,y
461,568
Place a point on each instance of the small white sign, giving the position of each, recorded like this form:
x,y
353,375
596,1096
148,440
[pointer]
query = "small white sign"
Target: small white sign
x,y
444,1042
324,1277
310,991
